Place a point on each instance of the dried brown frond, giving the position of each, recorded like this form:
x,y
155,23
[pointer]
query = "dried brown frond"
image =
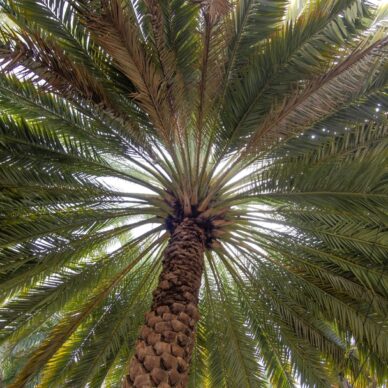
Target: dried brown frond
x,y
41,58
167,61
114,30
320,97
215,8
214,57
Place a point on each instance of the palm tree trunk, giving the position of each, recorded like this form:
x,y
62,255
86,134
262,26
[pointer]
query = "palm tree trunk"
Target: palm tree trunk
x,y
165,344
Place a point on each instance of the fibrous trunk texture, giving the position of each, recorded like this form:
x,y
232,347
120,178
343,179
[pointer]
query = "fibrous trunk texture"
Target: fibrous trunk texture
x,y
166,340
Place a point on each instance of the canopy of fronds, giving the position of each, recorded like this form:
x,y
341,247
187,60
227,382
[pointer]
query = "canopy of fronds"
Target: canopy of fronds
x,y
267,120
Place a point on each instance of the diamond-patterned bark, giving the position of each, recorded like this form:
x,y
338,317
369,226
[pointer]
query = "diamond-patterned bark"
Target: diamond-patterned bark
x,y
166,340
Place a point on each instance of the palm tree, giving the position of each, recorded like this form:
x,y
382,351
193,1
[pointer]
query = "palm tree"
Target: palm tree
x,y
193,193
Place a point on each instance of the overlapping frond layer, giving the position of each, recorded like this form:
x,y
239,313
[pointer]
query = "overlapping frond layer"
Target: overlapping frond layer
x,y
293,54
265,122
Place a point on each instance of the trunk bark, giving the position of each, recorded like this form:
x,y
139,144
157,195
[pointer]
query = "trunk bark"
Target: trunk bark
x,y
166,340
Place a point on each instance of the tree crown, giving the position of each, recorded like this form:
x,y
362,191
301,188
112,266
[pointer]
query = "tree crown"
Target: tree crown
x,y
264,121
